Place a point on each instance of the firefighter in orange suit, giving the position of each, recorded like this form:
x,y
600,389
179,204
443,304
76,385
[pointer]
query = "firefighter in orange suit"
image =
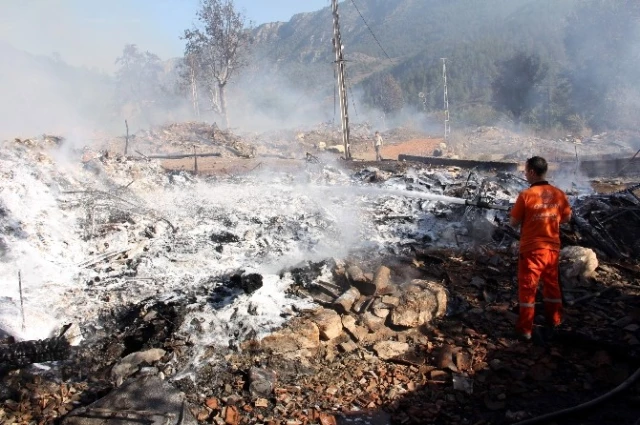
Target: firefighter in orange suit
x,y
540,210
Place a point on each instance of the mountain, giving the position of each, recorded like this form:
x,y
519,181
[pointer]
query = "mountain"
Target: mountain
x,y
408,30
393,48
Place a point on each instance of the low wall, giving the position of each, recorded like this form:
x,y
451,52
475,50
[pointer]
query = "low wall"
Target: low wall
x,y
463,163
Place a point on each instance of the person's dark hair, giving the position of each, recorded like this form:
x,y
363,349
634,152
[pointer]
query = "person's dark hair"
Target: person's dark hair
x,y
538,164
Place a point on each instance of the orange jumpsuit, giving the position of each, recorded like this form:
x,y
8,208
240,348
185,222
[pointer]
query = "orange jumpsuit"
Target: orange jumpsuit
x,y
540,209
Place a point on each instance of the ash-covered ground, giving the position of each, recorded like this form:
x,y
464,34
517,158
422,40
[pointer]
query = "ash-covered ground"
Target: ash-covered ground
x,y
227,288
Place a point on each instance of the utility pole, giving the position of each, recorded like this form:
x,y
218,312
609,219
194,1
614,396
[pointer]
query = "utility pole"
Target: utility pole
x,y
342,86
447,126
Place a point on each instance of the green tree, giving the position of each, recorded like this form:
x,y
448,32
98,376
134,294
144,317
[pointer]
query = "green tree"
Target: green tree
x,y
385,93
514,86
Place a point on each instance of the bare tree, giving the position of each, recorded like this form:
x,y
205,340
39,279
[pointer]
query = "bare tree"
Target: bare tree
x,y
220,44
189,80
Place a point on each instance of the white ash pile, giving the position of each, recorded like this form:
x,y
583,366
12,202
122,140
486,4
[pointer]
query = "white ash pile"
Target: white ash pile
x,y
196,280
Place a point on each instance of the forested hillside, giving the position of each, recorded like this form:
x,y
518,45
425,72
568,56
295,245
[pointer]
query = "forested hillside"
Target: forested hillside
x,y
543,63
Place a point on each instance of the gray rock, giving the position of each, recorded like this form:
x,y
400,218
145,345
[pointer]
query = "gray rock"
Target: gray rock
x,y
128,365
360,280
262,382
147,399
389,349
300,338
344,303
421,302
329,323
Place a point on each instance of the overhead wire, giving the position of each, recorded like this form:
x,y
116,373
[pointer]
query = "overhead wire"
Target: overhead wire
x,y
349,85
370,30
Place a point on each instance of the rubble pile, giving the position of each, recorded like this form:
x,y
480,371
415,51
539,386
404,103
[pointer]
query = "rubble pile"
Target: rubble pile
x,y
494,143
326,297
184,137
611,223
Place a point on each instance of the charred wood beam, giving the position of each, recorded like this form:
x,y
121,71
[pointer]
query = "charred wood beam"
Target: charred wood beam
x,y
24,353
589,296
584,226
182,156
603,231
629,163
618,213
464,163
612,167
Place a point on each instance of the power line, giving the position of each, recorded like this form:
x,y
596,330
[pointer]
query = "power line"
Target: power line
x,y
370,30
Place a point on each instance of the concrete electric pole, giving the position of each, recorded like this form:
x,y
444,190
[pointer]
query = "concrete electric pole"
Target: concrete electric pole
x,y
447,126
342,85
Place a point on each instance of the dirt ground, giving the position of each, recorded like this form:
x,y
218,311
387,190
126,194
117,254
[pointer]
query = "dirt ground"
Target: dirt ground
x,y
235,165
419,147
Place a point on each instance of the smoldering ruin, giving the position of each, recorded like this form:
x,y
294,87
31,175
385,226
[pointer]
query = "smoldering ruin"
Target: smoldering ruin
x,y
200,240
267,285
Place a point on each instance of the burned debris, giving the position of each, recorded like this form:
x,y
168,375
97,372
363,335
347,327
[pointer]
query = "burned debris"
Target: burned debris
x,y
373,293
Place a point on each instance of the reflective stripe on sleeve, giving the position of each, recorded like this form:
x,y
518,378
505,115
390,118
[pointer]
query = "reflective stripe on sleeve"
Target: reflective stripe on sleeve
x,y
527,305
553,300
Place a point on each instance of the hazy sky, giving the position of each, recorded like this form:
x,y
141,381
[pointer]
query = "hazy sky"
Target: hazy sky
x,y
92,32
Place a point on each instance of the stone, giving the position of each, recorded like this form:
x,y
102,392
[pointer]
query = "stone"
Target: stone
x,y
348,321
262,382
336,148
231,415
380,309
356,332
348,346
329,323
327,419
390,300
344,303
463,360
128,365
360,281
372,322
212,403
444,358
381,278
389,349
438,375
301,338
421,302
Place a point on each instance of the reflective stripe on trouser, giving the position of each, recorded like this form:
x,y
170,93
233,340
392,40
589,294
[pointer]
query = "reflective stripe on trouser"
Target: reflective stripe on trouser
x,y
536,265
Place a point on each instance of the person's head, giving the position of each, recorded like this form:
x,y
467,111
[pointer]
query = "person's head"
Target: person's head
x,y
536,169
377,132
